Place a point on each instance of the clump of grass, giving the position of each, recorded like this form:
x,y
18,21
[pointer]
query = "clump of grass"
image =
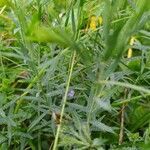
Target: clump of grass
x,y
98,50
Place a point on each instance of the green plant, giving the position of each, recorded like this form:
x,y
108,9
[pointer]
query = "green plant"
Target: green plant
x,y
44,105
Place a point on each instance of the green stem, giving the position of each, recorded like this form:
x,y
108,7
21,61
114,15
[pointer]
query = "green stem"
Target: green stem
x,y
120,102
64,101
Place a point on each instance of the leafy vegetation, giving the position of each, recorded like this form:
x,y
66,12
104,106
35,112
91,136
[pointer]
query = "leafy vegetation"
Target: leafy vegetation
x,y
74,74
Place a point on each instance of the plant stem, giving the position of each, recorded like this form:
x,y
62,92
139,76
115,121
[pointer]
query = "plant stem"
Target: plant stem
x,y
123,101
122,124
129,55
64,100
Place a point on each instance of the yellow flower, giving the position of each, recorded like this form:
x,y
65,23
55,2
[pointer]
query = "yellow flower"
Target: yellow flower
x,y
130,49
129,53
93,21
132,40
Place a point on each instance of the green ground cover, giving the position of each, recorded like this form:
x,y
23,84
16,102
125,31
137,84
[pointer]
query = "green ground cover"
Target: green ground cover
x,y
74,74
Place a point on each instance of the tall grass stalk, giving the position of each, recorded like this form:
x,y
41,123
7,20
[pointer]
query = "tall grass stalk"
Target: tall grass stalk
x,y
64,100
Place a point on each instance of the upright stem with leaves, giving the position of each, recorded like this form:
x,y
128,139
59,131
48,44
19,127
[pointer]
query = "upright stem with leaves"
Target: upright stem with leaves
x,y
64,100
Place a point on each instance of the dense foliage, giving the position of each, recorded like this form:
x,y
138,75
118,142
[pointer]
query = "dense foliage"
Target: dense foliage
x,y
74,74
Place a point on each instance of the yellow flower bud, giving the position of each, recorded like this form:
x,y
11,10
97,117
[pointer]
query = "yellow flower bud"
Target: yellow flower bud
x,y
132,40
129,53
93,23
130,49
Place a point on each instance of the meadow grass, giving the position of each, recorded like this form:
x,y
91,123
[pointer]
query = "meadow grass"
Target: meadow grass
x,y
74,74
